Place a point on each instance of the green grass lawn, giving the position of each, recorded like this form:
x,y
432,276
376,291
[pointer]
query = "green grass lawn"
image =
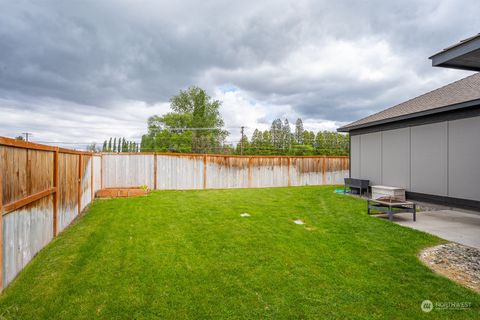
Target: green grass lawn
x,y
189,254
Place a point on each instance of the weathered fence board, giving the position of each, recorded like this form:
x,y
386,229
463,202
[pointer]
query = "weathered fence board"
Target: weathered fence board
x,y
86,182
179,172
26,231
97,173
128,170
42,190
182,172
68,189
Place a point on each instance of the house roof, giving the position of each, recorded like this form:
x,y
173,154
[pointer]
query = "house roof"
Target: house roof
x,y
463,55
460,94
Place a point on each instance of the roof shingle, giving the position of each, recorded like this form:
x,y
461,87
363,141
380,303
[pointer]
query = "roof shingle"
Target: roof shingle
x,y
464,90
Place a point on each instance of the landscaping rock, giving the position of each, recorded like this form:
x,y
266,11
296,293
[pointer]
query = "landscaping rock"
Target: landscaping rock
x,y
455,261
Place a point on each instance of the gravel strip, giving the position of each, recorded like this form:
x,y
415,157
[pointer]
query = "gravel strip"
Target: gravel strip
x,y
455,261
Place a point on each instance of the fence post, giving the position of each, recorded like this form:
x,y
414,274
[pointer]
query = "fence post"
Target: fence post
x,y
101,171
323,170
1,232
205,171
91,178
289,179
55,194
154,171
79,200
249,172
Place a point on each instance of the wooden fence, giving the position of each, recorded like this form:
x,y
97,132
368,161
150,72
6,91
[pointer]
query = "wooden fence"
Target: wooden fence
x,y
44,188
199,171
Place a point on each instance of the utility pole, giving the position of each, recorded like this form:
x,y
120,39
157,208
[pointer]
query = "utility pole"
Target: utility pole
x,y
241,141
26,135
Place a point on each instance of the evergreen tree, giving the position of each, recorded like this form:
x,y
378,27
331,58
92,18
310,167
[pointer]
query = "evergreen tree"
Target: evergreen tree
x,y
276,132
299,131
104,147
256,142
114,149
110,145
286,137
267,142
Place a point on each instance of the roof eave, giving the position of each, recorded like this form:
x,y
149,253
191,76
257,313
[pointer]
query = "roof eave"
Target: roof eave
x,y
452,57
451,107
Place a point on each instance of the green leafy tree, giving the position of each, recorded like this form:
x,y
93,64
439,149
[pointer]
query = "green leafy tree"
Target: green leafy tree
x,y
194,125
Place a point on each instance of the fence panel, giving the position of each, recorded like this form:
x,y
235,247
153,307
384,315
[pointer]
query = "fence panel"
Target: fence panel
x,y
26,174
179,173
25,232
226,172
97,173
270,172
128,170
86,183
68,185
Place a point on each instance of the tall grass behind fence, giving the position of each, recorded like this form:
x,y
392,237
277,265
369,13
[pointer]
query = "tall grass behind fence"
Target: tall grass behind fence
x,y
44,188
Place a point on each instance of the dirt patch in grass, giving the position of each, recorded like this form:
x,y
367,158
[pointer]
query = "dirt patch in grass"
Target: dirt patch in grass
x,y
455,261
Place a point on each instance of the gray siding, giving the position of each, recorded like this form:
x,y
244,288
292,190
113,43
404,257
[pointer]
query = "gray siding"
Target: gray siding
x,y
429,159
464,158
355,156
371,157
440,159
396,158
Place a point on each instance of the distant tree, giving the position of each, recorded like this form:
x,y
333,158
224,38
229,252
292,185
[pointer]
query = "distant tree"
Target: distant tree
x,y
287,136
194,125
93,148
308,138
245,144
104,146
299,131
257,142
21,138
276,131
114,149
110,145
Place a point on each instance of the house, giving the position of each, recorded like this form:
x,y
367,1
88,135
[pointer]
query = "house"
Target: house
x,y
429,145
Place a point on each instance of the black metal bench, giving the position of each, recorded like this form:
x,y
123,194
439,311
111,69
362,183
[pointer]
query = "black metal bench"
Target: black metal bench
x,y
392,207
353,183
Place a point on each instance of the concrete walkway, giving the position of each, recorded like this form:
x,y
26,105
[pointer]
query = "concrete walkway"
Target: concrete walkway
x,y
452,225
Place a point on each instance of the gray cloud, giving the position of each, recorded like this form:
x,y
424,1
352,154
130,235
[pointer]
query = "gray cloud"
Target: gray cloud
x,y
325,60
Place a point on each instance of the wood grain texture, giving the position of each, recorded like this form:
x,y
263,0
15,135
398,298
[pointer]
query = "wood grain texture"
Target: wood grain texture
x,y
79,190
68,189
1,234
27,200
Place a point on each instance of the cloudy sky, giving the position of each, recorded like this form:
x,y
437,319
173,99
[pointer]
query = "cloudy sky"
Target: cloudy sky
x,y
81,71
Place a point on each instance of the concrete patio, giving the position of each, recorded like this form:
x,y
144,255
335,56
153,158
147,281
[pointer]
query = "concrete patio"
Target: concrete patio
x,y
457,226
